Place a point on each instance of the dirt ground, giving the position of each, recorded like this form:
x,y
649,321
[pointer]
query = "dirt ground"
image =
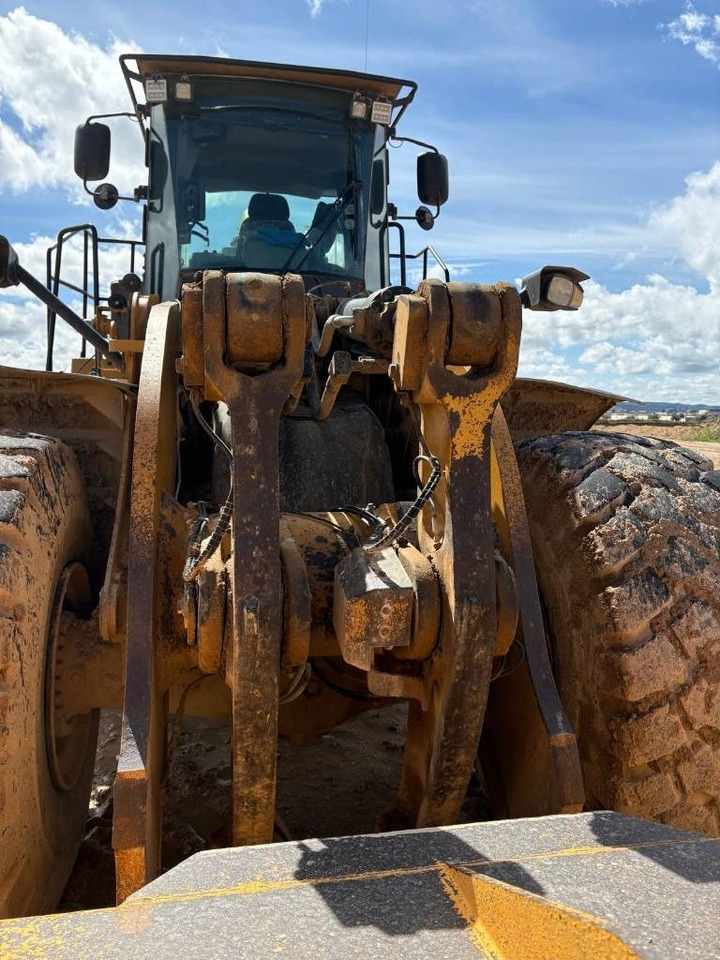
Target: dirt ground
x,y
677,432
335,786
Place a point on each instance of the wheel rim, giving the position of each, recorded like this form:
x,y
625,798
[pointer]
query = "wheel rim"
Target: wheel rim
x,y
66,741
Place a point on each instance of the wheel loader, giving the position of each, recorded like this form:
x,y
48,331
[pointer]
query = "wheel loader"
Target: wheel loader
x,y
281,486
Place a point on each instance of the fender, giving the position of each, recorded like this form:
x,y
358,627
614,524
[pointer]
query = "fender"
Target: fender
x,y
536,407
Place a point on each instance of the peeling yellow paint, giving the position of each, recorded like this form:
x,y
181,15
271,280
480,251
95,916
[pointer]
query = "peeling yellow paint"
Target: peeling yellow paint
x,y
474,413
508,922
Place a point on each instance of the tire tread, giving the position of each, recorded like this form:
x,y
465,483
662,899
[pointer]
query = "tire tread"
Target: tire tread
x,y
639,521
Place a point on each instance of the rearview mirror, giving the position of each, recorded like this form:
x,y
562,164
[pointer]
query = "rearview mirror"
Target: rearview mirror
x,y
92,151
105,196
424,218
432,179
192,202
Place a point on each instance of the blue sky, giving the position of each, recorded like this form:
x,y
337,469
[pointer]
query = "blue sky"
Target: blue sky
x,y
584,133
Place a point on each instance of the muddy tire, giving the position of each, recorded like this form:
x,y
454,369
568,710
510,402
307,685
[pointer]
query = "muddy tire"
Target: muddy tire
x,y
626,533
44,781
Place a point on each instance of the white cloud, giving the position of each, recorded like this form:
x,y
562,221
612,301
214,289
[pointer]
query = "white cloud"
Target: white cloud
x,y
607,357
544,363
436,272
693,220
21,167
657,340
23,340
699,30
49,83
316,6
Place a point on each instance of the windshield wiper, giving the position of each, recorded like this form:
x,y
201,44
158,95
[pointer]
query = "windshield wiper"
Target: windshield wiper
x,y
340,206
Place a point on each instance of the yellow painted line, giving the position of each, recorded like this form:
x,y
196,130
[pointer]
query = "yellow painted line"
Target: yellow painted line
x,y
261,886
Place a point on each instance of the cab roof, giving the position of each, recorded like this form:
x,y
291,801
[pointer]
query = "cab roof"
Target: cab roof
x,y
138,67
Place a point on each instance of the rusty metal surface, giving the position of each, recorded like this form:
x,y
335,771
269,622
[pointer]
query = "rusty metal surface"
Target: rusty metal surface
x,y
321,545
457,535
507,605
193,361
536,407
427,601
113,594
137,805
297,599
212,614
255,403
254,321
322,540
528,742
140,307
176,658
476,327
339,372
92,676
373,608
410,342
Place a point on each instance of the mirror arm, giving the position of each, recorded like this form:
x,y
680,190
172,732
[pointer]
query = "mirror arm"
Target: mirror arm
x,y
104,116
413,217
418,143
140,193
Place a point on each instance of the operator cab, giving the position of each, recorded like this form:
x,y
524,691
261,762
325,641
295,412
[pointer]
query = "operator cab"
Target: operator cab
x,y
264,175
263,167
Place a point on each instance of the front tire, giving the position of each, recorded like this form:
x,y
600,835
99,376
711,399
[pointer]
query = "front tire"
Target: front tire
x,y
45,772
626,534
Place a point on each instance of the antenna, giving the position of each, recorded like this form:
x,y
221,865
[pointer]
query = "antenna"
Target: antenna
x,y
367,30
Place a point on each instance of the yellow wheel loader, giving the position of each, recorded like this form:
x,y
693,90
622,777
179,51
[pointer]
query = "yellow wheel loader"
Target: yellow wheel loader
x,y
280,487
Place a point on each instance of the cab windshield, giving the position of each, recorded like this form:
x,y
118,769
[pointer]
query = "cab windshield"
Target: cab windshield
x,y
265,186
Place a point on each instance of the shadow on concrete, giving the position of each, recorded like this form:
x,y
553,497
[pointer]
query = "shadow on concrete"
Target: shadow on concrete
x,y
689,855
392,881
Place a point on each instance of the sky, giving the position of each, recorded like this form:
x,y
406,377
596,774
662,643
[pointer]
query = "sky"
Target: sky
x,y
578,132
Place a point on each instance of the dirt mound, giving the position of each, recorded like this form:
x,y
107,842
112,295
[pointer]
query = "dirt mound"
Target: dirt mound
x,y
663,429
681,433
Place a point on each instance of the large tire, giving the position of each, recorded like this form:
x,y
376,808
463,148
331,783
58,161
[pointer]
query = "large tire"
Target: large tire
x,y
626,534
44,527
